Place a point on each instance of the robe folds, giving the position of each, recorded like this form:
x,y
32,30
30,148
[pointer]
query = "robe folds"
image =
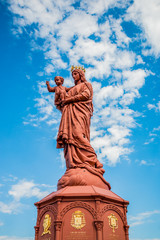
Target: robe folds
x,y
74,129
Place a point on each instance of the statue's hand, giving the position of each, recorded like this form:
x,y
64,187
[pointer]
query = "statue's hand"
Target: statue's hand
x,y
47,83
62,103
65,101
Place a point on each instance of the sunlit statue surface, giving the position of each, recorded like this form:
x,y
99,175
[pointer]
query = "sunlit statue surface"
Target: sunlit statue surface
x,y
75,103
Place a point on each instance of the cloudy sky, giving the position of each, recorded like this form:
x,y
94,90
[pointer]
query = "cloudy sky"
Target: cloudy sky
x,y
118,42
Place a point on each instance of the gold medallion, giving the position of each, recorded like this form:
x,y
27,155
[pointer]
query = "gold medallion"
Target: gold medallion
x,y
78,220
46,224
113,222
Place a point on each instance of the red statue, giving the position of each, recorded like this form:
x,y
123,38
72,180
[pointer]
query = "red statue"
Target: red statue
x,y
83,207
74,131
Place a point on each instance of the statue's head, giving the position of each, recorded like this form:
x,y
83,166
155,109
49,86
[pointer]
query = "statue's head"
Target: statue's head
x,y
81,72
59,80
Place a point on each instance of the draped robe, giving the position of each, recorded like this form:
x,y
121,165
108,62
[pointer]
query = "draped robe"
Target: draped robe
x,y
74,130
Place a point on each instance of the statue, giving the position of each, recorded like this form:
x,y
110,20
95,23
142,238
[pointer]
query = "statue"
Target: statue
x,y
83,207
74,132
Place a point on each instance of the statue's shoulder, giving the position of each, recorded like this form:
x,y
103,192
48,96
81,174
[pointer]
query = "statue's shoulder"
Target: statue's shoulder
x,y
89,85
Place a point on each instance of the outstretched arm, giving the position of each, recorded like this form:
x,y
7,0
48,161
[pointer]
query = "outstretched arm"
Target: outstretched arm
x,y
50,89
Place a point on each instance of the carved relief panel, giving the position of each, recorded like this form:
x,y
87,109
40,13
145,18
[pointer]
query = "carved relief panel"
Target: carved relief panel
x,y
78,224
113,228
46,230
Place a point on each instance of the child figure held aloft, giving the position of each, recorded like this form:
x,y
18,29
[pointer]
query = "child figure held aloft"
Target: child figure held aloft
x,y
60,91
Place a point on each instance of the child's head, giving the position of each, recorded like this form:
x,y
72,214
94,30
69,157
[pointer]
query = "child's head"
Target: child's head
x,y
59,80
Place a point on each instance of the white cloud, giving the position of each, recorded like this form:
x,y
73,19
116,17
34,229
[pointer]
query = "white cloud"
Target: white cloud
x,y
63,162
124,59
1,223
113,154
95,133
143,162
9,178
111,145
44,13
19,192
149,141
118,121
111,128
155,107
139,60
152,135
15,238
122,39
151,106
26,189
156,129
134,79
101,55
75,25
114,115
141,218
128,98
12,207
99,7
145,13
45,107
108,93
68,82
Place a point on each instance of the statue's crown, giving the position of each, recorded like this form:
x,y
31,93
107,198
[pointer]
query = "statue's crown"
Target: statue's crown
x,y
77,67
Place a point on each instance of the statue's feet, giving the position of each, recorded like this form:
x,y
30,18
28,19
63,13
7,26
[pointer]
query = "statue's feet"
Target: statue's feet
x,y
85,176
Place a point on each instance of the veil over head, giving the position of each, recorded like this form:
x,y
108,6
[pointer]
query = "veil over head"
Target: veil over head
x,y
81,73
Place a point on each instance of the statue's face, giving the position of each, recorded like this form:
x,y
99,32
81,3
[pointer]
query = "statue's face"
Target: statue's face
x,y
76,76
58,81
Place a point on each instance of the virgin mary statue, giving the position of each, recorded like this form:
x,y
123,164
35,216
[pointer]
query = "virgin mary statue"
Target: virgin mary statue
x,y
74,133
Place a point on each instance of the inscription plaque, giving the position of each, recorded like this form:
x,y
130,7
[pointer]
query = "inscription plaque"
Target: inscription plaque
x,y
77,236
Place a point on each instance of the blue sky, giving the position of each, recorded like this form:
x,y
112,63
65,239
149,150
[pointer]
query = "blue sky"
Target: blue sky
x,y
118,42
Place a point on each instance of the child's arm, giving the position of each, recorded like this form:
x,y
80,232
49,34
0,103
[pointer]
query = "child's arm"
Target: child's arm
x,y
50,89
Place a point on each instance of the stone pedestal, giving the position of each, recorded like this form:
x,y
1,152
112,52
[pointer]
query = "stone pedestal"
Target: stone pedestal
x,y
82,213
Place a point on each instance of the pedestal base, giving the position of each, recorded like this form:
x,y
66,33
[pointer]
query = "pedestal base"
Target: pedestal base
x,y
82,177
82,213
